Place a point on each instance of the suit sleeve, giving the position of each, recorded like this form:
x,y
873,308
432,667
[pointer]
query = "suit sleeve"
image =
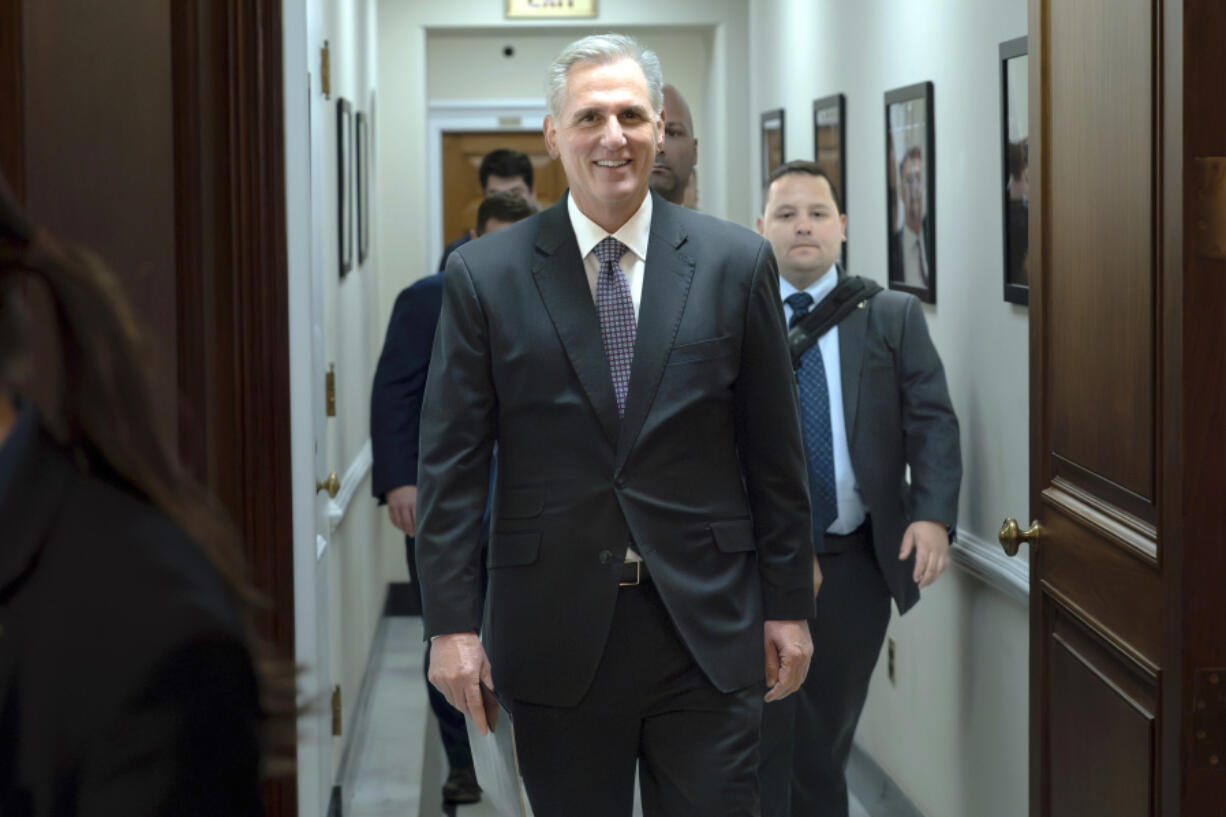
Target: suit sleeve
x,y
930,427
458,430
396,395
771,451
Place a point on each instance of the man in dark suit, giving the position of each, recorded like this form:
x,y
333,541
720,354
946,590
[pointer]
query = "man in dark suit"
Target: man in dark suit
x,y
674,164
395,418
873,401
650,539
502,171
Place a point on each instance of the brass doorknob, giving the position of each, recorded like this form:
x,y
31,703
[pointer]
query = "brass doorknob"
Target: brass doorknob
x,y
1012,536
332,485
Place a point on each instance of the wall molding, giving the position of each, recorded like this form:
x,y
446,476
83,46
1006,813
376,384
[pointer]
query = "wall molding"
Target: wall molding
x,y
988,563
338,506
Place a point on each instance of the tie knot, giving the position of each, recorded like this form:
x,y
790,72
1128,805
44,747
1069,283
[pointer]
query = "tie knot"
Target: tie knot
x,y
610,251
801,302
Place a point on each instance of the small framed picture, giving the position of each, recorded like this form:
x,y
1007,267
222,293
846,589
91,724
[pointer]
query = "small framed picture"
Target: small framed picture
x,y
829,151
1015,167
910,185
362,176
772,142
344,185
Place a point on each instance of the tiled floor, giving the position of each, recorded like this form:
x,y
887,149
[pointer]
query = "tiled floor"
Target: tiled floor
x,y
397,767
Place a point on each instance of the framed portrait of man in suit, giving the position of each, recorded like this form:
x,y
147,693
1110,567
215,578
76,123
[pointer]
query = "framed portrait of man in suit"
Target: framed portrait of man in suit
x,y
1015,162
772,142
910,185
829,145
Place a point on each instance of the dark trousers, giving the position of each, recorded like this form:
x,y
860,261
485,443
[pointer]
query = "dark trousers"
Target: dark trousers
x,y
807,737
451,727
696,747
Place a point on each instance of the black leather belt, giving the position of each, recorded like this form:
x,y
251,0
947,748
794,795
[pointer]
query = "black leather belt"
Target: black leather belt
x,y
861,536
633,574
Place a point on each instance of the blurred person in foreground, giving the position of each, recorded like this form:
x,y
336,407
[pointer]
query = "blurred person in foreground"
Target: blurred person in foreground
x,y
128,679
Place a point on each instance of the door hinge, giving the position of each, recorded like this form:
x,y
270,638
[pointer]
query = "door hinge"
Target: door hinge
x,y
325,71
337,720
1209,718
330,391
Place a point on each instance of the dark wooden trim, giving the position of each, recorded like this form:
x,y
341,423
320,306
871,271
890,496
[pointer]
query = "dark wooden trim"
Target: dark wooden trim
x,y
232,297
12,99
1202,558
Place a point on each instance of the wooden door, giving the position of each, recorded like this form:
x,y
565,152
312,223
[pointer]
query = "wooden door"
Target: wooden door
x,y
1127,396
462,155
152,133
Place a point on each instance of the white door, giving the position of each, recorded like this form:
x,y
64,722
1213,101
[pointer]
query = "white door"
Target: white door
x,y
305,143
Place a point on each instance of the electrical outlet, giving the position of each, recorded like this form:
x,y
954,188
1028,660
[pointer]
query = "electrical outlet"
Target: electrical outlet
x,y
890,649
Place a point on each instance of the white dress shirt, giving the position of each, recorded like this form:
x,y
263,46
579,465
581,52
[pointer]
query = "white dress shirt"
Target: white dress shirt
x,y
914,258
634,234
851,505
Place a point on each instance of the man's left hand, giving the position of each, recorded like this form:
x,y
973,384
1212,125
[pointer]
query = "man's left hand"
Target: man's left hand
x,y
930,542
789,647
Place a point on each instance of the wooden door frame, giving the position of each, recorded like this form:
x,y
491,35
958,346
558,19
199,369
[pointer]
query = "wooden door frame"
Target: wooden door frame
x,y
445,115
232,299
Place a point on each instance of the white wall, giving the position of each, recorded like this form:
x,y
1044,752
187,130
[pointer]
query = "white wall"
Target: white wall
x,y
332,322
953,731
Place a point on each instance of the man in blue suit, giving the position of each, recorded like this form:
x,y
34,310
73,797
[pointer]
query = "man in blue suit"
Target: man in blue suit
x,y
395,413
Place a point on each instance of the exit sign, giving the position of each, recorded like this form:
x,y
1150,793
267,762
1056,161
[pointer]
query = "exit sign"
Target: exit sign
x,y
551,8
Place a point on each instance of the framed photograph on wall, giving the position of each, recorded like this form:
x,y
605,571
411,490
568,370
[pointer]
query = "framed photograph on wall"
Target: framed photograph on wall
x,y
772,142
910,184
829,145
344,185
362,177
1015,166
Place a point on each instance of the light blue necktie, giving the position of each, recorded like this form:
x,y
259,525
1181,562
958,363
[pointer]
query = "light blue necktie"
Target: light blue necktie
x,y
815,422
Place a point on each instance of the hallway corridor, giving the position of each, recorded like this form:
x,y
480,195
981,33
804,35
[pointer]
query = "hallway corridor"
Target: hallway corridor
x,y
396,746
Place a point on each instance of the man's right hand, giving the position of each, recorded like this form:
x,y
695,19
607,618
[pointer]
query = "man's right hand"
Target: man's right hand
x,y
458,667
402,508
817,576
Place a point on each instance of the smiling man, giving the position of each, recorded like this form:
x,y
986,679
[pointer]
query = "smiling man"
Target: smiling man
x,y
650,528
674,164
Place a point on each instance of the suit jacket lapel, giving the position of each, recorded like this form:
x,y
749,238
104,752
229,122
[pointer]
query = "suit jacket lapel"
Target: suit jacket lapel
x,y
666,287
562,282
851,355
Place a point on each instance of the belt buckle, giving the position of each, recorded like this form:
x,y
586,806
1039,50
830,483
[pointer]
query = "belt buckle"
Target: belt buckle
x,y
638,576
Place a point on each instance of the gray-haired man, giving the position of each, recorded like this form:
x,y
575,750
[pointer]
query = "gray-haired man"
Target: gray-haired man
x,y
650,531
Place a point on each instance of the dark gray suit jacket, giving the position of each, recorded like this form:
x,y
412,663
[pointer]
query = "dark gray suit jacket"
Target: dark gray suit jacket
x,y
705,474
897,411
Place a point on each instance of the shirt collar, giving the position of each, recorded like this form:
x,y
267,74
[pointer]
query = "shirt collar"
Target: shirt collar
x,y
634,233
817,290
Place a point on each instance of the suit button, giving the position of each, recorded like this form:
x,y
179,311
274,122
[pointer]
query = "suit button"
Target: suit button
x,y
605,556
619,482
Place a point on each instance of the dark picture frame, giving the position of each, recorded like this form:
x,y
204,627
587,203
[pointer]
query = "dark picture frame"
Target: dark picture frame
x,y
1015,168
772,142
910,190
830,145
362,177
344,185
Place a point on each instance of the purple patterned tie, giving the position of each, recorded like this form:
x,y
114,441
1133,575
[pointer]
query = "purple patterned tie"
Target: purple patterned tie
x,y
617,323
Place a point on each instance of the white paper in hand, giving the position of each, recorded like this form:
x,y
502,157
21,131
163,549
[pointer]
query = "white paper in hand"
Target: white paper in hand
x,y
495,761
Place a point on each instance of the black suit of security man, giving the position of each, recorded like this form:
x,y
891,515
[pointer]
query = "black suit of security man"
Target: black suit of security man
x,y
889,536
